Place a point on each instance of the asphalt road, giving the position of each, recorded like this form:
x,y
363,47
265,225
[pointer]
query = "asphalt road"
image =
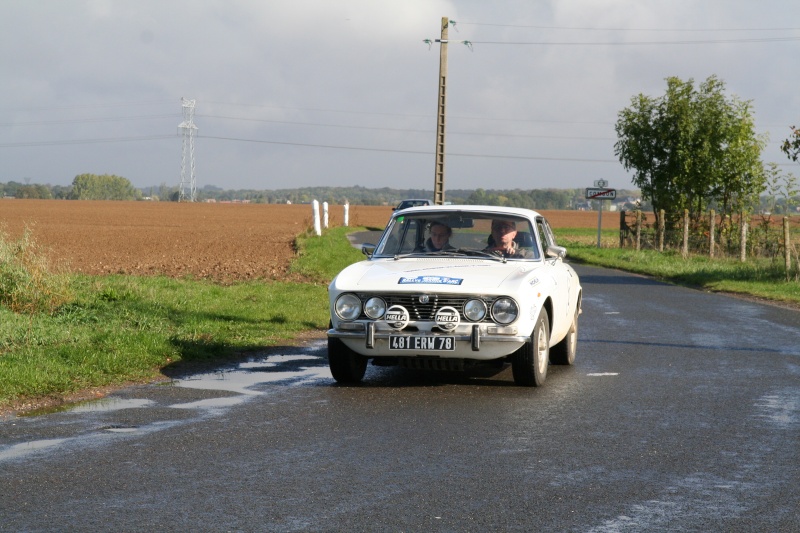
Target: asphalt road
x,y
682,413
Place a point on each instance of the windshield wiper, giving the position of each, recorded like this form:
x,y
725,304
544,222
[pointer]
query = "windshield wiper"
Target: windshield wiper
x,y
479,253
454,253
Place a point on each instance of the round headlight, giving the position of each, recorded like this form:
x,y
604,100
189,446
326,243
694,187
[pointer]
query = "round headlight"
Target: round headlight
x,y
375,308
504,310
475,310
348,306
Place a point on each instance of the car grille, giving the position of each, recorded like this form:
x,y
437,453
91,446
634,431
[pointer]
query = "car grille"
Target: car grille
x,y
426,311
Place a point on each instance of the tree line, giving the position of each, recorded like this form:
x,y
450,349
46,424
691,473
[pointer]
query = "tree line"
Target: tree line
x,y
110,187
84,187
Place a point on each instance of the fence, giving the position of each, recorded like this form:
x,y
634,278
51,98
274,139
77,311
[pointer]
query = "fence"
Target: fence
x,y
742,237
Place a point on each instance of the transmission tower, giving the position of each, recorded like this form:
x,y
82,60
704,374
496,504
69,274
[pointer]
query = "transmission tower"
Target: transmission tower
x,y
187,129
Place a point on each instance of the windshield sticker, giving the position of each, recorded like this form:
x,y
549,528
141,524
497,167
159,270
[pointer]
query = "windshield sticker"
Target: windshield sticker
x,y
430,280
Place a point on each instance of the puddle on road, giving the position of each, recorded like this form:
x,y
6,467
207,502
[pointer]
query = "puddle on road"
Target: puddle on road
x,y
781,409
242,381
109,404
24,448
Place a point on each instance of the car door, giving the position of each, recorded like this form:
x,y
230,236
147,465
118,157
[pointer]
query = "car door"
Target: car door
x,y
562,277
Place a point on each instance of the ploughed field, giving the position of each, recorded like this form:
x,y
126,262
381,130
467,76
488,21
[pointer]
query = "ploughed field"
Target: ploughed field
x,y
220,242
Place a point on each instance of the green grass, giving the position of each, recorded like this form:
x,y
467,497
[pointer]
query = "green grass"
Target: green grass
x,y
118,329
28,283
320,259
760,278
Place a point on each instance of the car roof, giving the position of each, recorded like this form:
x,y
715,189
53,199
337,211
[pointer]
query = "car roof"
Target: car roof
x,y
489,209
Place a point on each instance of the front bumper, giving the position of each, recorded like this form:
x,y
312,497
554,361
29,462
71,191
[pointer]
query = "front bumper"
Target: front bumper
x,y
477,341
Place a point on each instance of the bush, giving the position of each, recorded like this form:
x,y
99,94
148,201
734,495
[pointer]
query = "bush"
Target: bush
x,y
27,284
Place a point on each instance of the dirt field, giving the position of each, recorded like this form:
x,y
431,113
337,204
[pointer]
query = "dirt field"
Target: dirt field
x,y
222,242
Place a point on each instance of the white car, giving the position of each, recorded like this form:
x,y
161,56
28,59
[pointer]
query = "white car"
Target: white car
x,y
448,287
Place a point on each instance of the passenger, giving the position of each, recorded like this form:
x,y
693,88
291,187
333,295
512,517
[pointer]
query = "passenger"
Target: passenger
x,y
501,241
440,238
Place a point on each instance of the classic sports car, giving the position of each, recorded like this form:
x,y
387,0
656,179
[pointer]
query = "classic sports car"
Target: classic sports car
x,y
448,287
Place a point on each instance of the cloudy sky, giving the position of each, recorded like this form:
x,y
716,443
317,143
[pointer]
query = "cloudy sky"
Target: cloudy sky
x,y
297,93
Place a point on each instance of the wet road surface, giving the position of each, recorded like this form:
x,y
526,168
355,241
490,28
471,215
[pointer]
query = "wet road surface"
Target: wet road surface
x,y
682,413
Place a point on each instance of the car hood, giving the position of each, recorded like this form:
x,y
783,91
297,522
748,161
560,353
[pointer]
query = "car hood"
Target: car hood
x,y
415,274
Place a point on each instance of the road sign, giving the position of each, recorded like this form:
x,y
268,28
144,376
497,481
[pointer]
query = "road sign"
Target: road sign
x,y
601,183
601,194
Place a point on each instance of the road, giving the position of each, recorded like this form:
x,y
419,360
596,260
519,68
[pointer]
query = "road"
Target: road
x,y
682,413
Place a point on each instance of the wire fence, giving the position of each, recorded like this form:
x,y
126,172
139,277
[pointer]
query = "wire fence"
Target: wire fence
x,y
746,237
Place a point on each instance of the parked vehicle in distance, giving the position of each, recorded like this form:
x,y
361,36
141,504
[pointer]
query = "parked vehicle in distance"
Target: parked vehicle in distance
x,y
449,287
414,202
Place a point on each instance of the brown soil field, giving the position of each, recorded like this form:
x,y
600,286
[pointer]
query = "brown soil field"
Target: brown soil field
x,y
221,242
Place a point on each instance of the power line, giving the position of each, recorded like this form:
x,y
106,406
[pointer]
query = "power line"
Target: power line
x,y
471,42
585,28
346,126
410,130
326,146
394,150
86,141
638,43
85,120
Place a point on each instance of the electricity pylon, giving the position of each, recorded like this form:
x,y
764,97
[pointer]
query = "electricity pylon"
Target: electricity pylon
x,y
187,191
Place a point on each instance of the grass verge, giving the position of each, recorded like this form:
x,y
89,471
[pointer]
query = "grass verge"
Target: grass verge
x,y
758,278
120,329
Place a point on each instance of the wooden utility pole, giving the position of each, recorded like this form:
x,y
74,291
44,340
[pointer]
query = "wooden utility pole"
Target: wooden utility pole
x,y
438,182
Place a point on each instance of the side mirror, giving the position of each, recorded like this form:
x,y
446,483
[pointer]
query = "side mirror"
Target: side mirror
x,y
368,249
556,252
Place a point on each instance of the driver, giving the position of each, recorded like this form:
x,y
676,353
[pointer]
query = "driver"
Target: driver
x,y
502,240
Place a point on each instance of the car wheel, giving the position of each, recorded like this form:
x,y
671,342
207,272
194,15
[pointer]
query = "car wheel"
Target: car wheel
x,y
529,363
346,365
563,353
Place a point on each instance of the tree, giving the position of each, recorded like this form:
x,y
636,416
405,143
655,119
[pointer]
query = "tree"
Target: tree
x,y
36,191
104,187
791,146
692,148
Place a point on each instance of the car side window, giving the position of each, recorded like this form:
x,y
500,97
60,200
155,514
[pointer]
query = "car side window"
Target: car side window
x,y
544,233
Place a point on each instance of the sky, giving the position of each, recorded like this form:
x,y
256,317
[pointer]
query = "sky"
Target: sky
x,y
306,93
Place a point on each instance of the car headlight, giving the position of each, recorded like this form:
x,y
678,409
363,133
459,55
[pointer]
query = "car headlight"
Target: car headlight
x,y
375,308
475,310
348,306
505,310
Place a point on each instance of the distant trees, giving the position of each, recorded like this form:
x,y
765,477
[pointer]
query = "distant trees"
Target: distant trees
x,y
528,199
692,148
38,192
103,187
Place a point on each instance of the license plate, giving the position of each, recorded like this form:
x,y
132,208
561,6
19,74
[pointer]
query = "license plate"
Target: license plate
x,y
411,342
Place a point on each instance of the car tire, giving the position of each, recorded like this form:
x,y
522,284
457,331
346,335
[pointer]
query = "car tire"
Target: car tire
x,y
563,353
346,365
529,363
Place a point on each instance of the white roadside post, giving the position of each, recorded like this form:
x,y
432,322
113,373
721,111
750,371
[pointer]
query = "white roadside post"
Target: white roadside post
x,y
346,214
325,215
315,208
600,192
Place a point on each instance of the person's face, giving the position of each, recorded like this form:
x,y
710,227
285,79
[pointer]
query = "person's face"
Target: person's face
x,y
503,232
439,235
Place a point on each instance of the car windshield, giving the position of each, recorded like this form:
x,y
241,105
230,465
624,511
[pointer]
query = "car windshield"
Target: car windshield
x,y
460,234
411,203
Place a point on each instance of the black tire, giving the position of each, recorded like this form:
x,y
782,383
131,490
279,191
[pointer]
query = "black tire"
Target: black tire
x,y
529,363
346,365
563,353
